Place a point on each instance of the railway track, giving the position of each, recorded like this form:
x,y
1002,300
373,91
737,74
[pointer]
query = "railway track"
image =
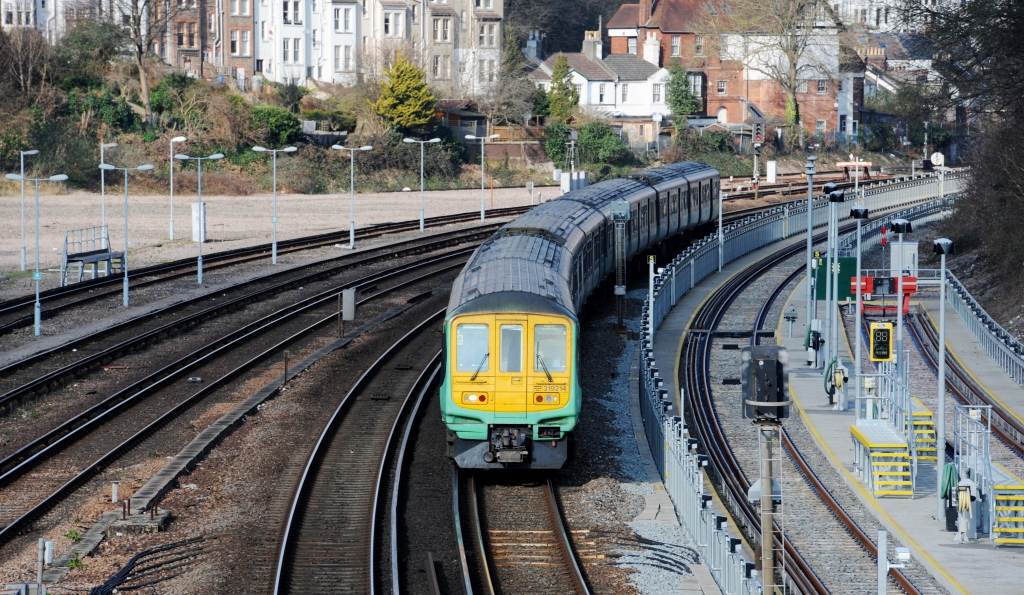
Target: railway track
x,y
332,539
17,313
511,537
730,444
103,434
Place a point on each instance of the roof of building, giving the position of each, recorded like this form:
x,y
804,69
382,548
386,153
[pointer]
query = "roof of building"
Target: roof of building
x,y
625,17
679,16
629,67
591,70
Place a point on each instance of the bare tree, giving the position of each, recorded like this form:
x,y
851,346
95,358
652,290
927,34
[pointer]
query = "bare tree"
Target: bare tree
x,y
787,41
143,23
25,53
511,95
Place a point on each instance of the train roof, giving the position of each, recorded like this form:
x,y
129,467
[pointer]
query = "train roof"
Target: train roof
x,y
691,170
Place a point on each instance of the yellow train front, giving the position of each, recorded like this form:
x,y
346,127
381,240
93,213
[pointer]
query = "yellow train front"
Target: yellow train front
x,y
511,398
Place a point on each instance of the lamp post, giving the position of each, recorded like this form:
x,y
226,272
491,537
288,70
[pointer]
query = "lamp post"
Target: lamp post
x,y
900,226
352,190
273,248
23,153
202,210
483,142
103,193
942,247
423,144
37,276
124,257
835,196
860,213
177,139
810,232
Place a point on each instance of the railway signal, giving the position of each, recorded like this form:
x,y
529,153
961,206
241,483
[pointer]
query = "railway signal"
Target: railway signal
x,y
881,342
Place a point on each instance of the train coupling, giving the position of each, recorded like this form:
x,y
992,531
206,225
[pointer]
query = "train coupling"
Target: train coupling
x,y
508,445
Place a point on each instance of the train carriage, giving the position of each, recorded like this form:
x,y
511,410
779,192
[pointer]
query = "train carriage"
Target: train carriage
x,y
511,396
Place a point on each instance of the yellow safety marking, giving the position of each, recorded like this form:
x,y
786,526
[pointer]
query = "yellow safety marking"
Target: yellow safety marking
x,y
863,439
980,384
1010,519
1009,497
1005,540
1008,530
1010,473
924,410
884,473
903,493
890,464
856,484
1009,507
899,455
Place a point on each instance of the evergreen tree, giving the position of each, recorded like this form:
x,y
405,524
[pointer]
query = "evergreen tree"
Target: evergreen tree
x,y
405,99
563,97
678,95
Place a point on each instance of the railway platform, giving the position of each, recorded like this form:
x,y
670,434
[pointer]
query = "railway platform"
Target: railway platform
x,y
975,567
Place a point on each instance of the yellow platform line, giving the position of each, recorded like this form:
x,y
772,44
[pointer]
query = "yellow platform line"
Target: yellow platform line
x,y
867,441
854,482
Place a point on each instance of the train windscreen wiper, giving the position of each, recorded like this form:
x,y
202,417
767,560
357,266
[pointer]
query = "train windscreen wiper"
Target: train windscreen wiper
x,y
540,360
480,367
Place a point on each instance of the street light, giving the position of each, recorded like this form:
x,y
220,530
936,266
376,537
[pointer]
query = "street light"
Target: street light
x,y
835,196
273,246
202,208
23,153
942,247
37,276
103,194
483,141
352,190
422,143
810,232
860,213
177,139
900,226
124,257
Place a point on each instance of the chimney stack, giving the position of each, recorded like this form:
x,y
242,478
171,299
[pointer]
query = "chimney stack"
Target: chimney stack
x,y
592,46
534,47
645,12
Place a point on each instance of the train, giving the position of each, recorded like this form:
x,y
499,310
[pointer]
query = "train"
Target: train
x,y
511,397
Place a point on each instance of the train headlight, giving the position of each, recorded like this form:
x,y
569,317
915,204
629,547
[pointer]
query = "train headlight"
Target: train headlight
x,y
474,398
546,399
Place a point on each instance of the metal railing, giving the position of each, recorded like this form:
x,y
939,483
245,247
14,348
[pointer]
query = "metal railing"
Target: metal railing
x,y
1004,349
673,451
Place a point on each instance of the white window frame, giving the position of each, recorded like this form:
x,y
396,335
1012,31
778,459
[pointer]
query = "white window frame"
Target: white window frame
x,y
675,45
337,55
625,92
600,92
234,7
285,43
698,45
295,51
347,58
337,20
822,86
696,81
723,88
347,20
656,93
245,42
820,126
245,7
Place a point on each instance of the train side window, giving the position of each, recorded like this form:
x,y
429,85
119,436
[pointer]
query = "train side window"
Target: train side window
x,y
472,349
511,348
549,348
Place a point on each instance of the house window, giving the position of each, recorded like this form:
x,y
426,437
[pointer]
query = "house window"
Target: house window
x,y
675,45
263,29
579,90
442,28
286,17
245,42
801,87
722,88
313,7
483,3
234,42
181,34
822,86
878,17
392,24
487,35
481,71
314,37
211,22
295,13
348,57
191,35
656,93
631,45
337,55
337,19
600,93
347,22
436,66
234,7
284,44
245,7
698,45
696,84
853,127
819,127
491,71
295,50
625,92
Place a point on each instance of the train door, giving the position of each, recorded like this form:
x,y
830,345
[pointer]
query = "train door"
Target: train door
x,y
550,366
510,378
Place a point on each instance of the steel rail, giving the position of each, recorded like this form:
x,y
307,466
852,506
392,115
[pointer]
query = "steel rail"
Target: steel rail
x,y
579,585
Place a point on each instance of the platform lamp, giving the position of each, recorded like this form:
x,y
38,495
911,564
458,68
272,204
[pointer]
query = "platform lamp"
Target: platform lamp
x,y
37,276
177,139
835,196
483,143
352,190
23,255
423,143
103,192
860,213
273,247
124,257
900,226
942,247
810,232
199,199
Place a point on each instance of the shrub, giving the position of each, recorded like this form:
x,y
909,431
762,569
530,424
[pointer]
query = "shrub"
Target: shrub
x,y
598,143
277,126
336,120
554,145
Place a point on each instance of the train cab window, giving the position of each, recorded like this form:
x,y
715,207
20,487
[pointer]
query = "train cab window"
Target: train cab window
x,y
511,348
472,348
549,348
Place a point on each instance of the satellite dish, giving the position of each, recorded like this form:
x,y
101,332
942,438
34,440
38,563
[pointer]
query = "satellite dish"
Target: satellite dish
x,y
937,158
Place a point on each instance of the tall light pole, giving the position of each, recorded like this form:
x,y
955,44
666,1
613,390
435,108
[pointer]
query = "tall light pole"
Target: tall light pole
x,y
423,143
942,247
273,246
901,226
835,196
23,153
483,142
177,139
860,213
124,257
37,276
202,210
352,190
810,232
103,193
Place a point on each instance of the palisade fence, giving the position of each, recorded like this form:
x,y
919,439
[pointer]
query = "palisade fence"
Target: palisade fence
x,y
675,453
1004,349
